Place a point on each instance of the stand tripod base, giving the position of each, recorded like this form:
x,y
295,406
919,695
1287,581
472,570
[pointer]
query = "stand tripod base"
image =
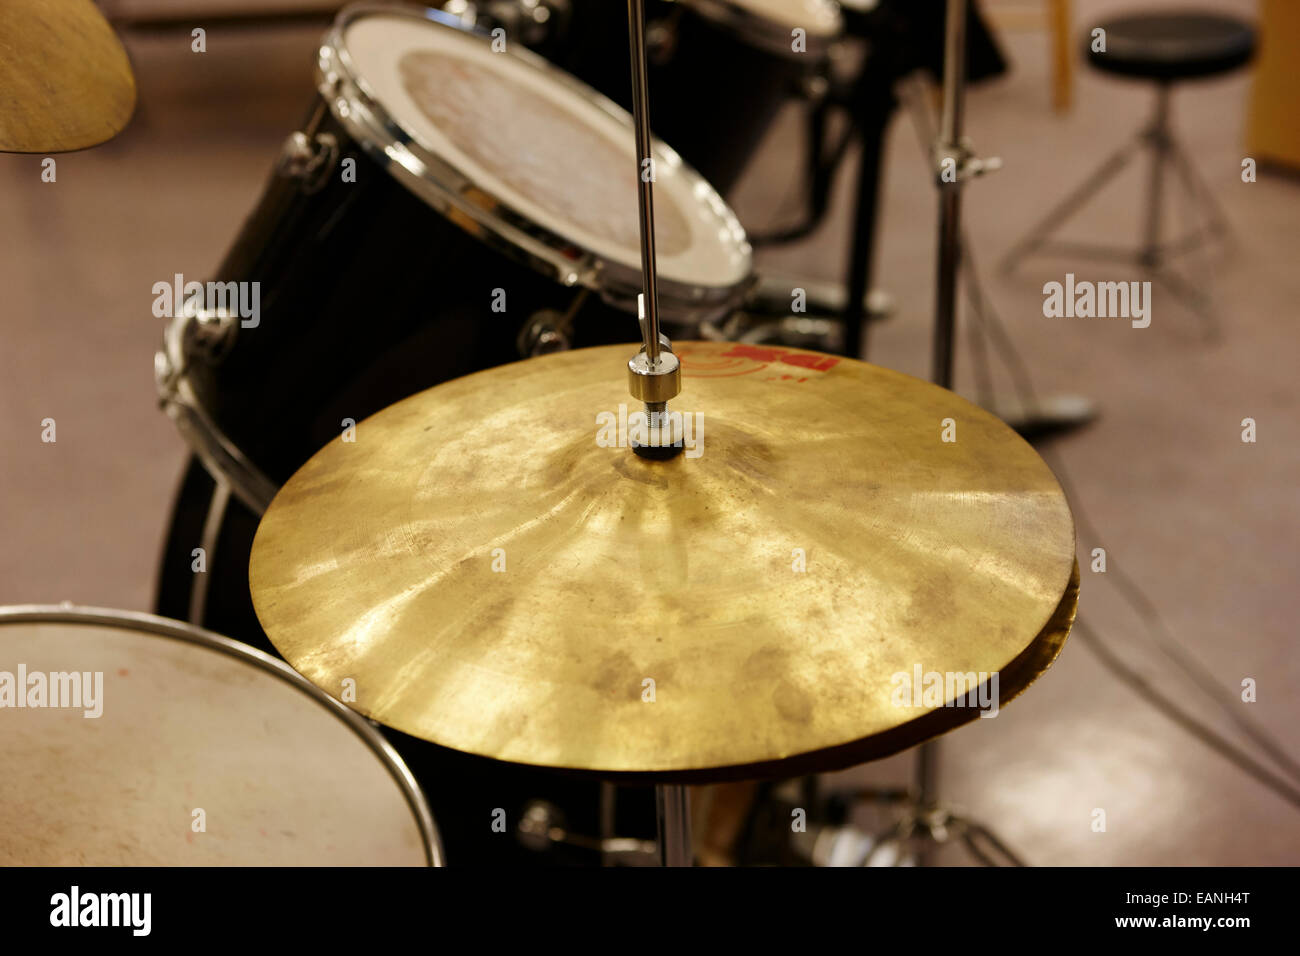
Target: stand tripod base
x,y
1048,416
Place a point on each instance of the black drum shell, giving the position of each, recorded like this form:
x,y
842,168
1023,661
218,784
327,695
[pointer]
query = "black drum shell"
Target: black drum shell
x,y
713,96
367,295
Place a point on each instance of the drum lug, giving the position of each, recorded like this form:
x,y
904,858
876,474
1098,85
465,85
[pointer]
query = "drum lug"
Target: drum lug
x,y
531,22
545,332
814,87
209,334
308,158
165,375
196,332
661,40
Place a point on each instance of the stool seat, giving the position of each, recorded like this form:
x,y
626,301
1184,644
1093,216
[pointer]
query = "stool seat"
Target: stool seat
x,y
1173,45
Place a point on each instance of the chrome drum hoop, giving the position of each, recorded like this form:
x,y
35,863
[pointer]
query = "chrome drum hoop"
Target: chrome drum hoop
x,y
506,229
220,456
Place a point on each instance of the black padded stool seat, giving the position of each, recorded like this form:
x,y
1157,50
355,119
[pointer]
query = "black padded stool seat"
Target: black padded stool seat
x,y
1174,45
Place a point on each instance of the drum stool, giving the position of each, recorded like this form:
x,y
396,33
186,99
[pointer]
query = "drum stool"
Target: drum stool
x,y
1164,48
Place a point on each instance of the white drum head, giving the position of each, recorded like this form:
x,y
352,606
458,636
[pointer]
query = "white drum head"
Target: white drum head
x,y
544,146
279,778
819,18
770,24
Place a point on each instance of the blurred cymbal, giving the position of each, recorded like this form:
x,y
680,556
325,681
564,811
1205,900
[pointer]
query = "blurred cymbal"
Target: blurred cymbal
x,y
375,563
65,81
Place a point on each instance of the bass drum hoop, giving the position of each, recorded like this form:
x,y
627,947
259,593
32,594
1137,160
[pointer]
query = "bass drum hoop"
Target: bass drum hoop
x,y
180,631
221,457
506,229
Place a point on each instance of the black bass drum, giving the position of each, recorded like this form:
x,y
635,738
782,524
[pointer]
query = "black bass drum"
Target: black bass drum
x,y
445,208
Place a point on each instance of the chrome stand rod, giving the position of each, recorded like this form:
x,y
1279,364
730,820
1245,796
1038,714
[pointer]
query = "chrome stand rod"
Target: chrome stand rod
x,y
673,806
644,175
951,146
945,305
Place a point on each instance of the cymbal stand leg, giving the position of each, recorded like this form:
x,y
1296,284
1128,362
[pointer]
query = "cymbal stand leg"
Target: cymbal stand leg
x,y
927,793
673,806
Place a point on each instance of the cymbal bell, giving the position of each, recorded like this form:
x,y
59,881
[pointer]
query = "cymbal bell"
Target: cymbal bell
x,y
65,80
483,573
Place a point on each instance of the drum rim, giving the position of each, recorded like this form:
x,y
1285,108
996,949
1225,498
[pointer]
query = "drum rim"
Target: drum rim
x,y
219,453
765,33
69,613
356,107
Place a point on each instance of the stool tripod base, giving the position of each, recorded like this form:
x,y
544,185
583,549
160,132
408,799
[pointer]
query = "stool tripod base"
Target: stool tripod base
x,y
1154,254
1047,416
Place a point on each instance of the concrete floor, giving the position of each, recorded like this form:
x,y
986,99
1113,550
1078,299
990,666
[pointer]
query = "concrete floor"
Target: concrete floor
x,y
1207,525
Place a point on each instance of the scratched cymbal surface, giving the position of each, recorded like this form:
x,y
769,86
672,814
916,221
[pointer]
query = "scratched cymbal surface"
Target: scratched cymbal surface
x,y
497,581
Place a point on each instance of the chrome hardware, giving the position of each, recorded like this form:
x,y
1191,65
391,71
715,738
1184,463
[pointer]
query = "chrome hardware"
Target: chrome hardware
x,y
657,384
308,158
208,334
542,827
205,336
661,39
545,332
531,22
959,164
512,231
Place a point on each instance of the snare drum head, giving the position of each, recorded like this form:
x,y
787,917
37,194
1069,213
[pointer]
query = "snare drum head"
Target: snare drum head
x,y
196,757
525,149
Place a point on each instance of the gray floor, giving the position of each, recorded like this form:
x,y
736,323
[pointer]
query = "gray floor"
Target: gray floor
x,y
1206,523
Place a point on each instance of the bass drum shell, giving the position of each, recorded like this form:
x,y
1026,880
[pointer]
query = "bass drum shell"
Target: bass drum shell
x,y
367,295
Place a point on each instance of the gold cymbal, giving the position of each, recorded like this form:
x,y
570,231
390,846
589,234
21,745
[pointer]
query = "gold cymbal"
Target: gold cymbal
x,y
65,81
494,580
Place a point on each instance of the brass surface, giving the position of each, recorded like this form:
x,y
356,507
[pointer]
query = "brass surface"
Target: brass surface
x,y
65,81
375,563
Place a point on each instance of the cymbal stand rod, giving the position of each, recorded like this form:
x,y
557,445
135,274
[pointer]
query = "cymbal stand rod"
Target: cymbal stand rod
x,y
645,175
673,806
654,374
950,157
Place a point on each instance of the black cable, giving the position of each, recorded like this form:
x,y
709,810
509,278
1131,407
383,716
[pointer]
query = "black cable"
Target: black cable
x,y
1171,710
1159,633
1129,589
